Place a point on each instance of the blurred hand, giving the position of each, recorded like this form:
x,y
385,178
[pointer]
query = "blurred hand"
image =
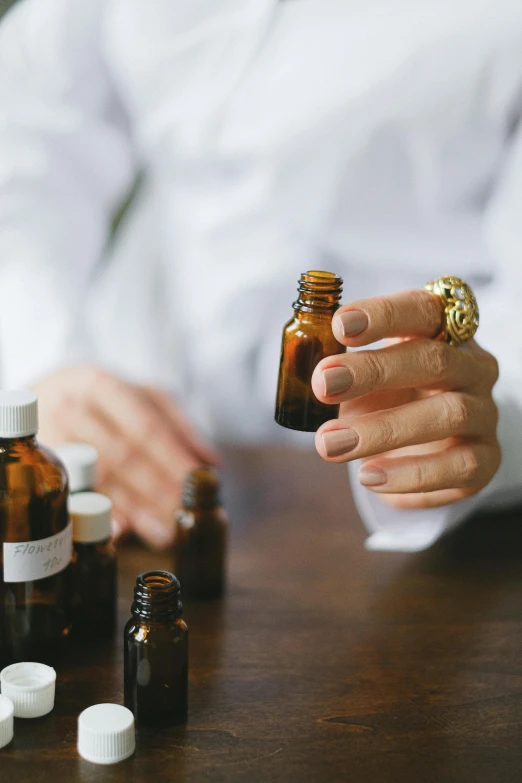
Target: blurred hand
x,y
420,412
145,443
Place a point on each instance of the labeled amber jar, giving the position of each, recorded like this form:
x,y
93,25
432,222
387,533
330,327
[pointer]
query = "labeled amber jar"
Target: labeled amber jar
x,y
155,644
308,338
200,548
35,535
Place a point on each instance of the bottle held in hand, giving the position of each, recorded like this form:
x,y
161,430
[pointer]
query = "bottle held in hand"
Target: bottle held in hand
x,y
308,338
200,548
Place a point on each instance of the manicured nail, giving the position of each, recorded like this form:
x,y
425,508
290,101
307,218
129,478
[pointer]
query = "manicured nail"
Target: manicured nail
x,y
352,322
336,380
372,477
339,441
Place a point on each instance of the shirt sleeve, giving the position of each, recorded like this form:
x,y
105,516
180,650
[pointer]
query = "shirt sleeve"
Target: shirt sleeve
x,y
500,332
65,163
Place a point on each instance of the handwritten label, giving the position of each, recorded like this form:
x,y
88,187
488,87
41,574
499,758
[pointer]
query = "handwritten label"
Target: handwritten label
x,y
26,561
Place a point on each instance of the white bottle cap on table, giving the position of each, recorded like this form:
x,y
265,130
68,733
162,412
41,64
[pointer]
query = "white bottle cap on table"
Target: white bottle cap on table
x,y
30,686
6,721
106,733
18,414
90,514
80,462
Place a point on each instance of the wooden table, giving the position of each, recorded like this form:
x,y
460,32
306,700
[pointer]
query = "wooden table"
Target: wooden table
x,y
325,662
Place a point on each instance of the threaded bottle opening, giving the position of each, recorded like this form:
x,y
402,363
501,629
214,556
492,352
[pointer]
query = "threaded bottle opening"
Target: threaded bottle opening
x,y
156,594
319,291
201,489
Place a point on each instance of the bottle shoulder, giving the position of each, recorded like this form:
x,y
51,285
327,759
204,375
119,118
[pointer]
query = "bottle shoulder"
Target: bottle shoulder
x,y
48,456
215,518
22,455
140,630
311,335
304,324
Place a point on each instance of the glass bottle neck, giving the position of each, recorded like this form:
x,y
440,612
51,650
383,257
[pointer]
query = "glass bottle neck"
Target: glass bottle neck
x,y
24,440
201,490
17,445
157,597
319,292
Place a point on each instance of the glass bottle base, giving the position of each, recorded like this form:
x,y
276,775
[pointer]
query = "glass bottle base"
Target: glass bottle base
x,y
305,420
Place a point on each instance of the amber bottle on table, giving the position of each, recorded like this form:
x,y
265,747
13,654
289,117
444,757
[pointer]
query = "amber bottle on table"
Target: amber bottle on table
x,y
307,338
35,536
92,575
156,652
200,548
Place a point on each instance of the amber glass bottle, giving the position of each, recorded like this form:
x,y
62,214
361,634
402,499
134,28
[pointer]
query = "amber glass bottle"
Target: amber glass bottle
x,y
156,652
200,549
307,338
36,537
92,575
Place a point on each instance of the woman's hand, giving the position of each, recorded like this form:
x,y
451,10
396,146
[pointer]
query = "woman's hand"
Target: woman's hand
x,y
418,411
145,444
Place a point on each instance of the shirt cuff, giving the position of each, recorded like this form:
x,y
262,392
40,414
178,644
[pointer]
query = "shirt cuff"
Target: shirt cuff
x,y
404,530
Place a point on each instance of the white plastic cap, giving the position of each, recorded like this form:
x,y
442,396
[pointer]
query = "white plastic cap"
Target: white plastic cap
x,y
106,733
90,514
80,461
30,686
18,414
6,721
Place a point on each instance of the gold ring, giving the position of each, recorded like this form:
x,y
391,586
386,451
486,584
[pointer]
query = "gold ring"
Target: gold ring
x,y
460,308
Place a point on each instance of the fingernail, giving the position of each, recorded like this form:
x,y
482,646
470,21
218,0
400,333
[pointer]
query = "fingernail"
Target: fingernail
x,y
339,441
352,322
372,477
336,380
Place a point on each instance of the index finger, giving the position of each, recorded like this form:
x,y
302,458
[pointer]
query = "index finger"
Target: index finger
x,y
415,313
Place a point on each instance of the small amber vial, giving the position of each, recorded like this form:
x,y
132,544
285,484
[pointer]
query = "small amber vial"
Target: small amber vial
x,y
200,549
308,338
156,652
93,573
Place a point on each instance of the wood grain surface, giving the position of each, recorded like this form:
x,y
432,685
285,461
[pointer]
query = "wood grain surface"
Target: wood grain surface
x,y
325,662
